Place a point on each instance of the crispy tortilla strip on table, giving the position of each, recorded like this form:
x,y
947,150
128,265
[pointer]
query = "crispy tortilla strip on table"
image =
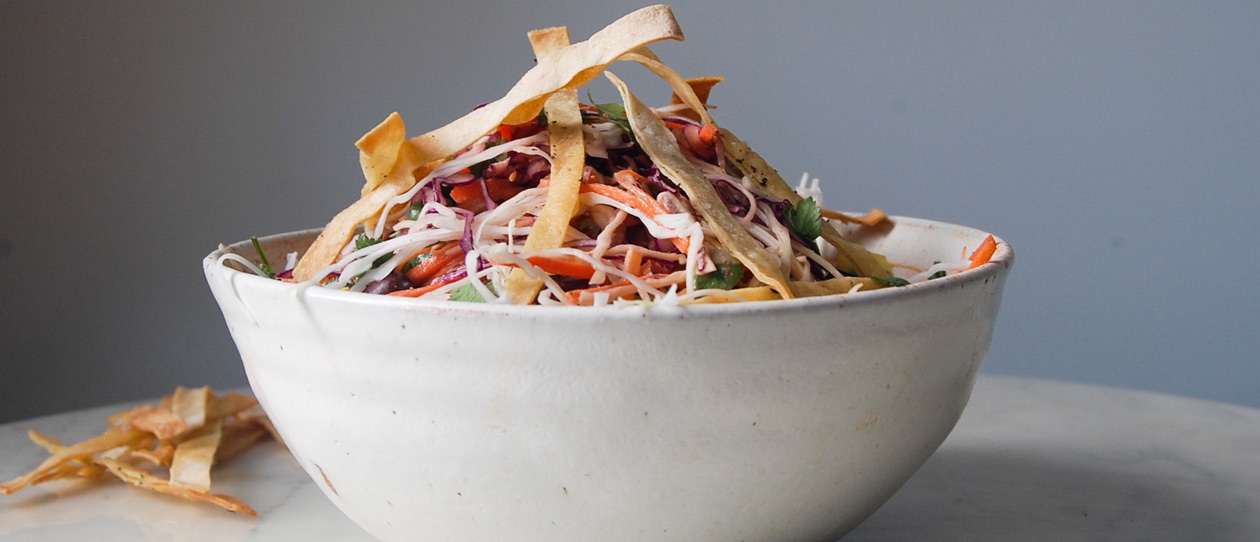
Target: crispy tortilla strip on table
x,y
50,444
238,436
229,425
230,404
660,145
568,158
160,455
140,478
190,466
569,68
70,470
160,421
378,151
81,452
853,258
256,415
190,405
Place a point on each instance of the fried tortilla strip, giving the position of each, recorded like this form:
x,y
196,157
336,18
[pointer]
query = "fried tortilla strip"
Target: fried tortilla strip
x,y
324,251
238,436
853,258
190,405
870,219
684,92
568,158
51,444
695,93
660,145
160,421
256,415
80,452
752,293
230,404
70,470
702,87
569,68
833,286
160,456
140,478
190,466
379,149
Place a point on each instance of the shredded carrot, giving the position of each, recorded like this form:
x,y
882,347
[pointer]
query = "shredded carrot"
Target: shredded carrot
x,y
708,133
616,290
635,196
674,125
983,253
623,196
575,296
505,132
442,256
567,266
465,192
417,292
633,260
633,183
499,188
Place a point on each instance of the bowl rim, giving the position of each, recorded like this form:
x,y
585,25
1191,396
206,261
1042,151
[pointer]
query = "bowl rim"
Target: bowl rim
x,y
1001,261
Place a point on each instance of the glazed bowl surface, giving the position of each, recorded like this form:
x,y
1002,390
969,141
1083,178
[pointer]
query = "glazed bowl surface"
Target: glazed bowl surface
x,y
764,421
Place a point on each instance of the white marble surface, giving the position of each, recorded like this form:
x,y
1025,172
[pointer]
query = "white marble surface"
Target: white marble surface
x,y
1030,460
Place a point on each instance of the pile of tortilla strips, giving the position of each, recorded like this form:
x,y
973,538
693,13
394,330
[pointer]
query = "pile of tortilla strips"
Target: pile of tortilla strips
x,y
186,434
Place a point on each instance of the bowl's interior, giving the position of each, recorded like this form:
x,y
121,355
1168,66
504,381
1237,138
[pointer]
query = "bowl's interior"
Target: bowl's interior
x,y
910,244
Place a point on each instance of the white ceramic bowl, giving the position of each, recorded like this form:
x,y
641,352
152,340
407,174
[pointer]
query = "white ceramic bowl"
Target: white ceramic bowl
x,y
769,421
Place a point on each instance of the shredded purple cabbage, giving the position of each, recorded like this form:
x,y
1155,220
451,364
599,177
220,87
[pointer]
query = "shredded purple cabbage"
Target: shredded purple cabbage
x,y
466,241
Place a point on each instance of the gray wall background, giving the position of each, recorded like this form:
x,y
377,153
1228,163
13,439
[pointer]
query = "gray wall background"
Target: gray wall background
x,y
1116,145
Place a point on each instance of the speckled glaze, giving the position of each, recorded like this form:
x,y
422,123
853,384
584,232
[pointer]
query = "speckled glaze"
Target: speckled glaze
x,y
773,421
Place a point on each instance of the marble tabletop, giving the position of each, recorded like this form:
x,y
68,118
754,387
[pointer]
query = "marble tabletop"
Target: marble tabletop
x,y
1030,460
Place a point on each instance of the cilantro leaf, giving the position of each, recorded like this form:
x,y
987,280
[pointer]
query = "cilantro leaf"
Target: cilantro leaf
x,y
938,275
616,114
612,112
413,213
479,169
893,281
805,219
363,241
469,293
725,278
